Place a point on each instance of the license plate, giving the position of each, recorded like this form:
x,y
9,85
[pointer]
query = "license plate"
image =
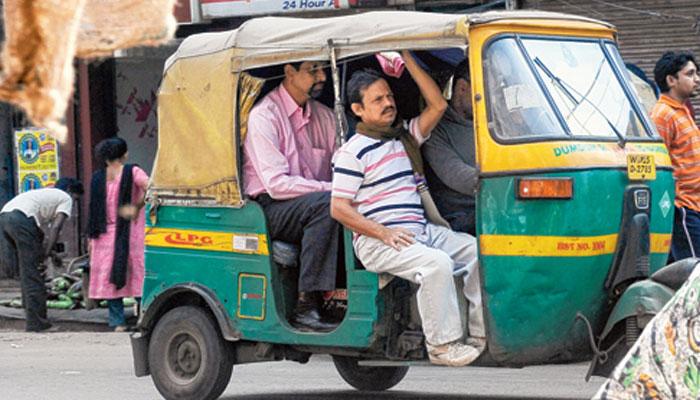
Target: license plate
x,y
641,167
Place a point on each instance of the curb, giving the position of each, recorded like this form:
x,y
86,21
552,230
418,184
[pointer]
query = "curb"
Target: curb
x,y
67,320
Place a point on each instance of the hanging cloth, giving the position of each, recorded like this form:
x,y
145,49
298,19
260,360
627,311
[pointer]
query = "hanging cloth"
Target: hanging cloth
x,y
43,37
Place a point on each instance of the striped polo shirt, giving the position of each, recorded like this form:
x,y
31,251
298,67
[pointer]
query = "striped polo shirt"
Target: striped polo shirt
x,y
682,138
377,176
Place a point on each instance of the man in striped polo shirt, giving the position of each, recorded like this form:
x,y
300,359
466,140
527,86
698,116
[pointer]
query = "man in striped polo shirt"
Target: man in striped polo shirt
x,y
374,193
676,74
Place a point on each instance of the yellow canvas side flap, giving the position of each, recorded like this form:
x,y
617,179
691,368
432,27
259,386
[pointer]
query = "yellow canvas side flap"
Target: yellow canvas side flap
x,y
197,153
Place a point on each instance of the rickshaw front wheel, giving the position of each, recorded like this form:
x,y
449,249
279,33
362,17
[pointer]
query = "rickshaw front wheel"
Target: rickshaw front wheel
x,y
373,379
187,356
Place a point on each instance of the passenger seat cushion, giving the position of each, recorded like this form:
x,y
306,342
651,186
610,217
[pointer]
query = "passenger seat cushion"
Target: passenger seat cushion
x,y
285,254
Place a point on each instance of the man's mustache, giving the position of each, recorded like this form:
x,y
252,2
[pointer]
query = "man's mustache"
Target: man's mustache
x,y
388,110
316,90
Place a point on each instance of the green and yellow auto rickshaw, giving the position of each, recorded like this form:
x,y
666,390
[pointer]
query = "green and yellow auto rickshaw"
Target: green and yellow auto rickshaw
x,y
574,205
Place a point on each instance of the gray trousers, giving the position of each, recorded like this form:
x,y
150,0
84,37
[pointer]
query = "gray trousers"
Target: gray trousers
x,y
432,261
26,242
306,220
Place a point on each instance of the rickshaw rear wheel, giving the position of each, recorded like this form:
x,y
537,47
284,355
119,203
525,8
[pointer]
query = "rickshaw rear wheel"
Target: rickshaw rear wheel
x,y
188,357
373,379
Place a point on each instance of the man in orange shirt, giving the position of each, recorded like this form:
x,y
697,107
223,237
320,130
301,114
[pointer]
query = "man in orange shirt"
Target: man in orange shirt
x,y
676,74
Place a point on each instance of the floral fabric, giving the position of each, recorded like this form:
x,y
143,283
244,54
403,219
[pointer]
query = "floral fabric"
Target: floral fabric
x,y
665,361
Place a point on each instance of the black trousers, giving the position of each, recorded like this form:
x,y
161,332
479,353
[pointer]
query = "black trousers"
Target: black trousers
x,y
25,240
307,220
9,269
462,221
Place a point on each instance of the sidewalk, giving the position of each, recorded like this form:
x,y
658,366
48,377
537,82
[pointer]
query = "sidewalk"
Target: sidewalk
x,y
78,320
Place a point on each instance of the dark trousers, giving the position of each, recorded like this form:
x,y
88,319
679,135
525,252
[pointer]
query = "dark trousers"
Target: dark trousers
x,y
306,220
9,269
116,312
686,234
26,239
462,221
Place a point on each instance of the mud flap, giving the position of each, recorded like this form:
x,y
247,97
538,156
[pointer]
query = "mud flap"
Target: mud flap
x,y
635,308
139,349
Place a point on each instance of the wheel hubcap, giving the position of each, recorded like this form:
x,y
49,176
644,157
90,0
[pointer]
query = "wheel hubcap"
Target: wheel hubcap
x,y
188,357
184,358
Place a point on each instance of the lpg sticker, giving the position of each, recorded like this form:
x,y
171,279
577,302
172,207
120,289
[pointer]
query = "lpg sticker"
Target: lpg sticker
x,y
665,204
246,243
189,239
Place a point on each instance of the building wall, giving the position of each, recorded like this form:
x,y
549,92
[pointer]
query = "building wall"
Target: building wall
x,y
137,81
646,28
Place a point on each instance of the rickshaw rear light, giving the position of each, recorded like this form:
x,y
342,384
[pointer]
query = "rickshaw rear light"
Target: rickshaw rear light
x,y
545,188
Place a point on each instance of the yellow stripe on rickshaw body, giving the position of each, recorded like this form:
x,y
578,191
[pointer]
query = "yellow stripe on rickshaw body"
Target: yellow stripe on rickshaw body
x,y
560,246
566,154
660,242
245,243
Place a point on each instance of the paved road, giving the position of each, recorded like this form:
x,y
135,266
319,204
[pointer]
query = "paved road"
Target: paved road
x,y
87,366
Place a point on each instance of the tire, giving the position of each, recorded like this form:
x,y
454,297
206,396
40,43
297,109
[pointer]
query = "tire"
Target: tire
x,y
373,379
188,358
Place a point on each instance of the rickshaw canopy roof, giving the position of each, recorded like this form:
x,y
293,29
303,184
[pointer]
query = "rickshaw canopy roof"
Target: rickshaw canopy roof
x,y
204,94
272,40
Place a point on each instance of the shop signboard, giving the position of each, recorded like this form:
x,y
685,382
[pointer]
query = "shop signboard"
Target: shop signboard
x,y
236,8
183,12
36,155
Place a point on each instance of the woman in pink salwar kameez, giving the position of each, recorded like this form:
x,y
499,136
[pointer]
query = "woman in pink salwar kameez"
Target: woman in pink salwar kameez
x,y
116,230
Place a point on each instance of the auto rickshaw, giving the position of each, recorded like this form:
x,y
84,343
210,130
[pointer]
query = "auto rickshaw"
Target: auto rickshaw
x,y
574,205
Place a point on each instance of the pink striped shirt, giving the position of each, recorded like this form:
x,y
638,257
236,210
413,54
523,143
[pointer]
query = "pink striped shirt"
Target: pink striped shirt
x,y
287,152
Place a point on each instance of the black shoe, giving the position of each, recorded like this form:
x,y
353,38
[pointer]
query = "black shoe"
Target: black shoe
x,y
309,320
45,328
333,311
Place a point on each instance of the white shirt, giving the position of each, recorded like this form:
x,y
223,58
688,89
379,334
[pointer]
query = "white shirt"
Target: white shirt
x,y
41,204
377,176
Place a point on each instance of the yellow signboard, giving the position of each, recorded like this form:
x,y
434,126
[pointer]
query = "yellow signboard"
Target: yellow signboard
x,y
36,153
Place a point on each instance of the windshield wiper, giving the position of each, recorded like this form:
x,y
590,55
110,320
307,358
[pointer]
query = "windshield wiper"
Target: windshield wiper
x,y
567,89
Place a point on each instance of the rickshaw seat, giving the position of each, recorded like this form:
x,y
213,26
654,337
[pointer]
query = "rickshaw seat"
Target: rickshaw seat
x,y
285,254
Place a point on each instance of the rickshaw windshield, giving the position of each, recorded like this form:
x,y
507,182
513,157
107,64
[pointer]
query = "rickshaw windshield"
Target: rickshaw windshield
x,y
558,88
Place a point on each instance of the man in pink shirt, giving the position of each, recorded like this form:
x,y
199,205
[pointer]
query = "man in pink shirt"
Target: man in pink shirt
x,y
287,170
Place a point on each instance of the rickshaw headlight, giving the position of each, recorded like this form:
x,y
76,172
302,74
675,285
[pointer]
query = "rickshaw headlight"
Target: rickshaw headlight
x,y
545,188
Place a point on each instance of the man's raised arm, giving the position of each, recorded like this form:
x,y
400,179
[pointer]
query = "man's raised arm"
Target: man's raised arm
x,y
435,103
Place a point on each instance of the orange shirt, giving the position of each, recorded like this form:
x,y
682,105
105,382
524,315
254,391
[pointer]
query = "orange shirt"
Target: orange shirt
x,y
682,138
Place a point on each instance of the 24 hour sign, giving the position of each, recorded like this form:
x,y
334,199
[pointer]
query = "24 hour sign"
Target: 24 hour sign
x,y
231,8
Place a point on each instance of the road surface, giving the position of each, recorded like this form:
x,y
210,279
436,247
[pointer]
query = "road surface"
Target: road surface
x,y
90,366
